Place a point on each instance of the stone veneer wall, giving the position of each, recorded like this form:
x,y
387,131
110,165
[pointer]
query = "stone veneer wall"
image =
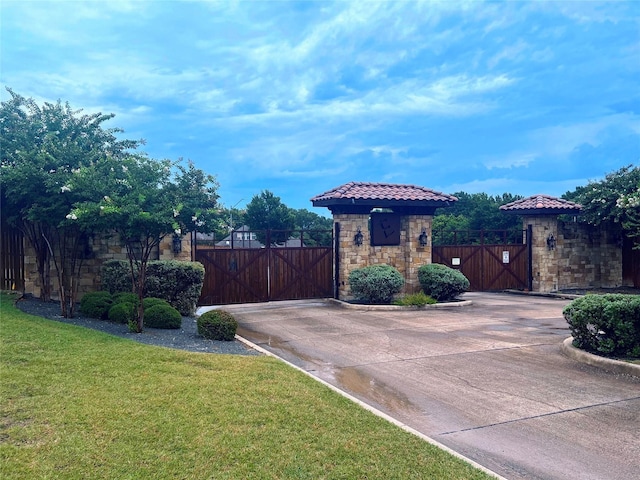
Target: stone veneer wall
x,y
104,248
584,256
406,257
590,257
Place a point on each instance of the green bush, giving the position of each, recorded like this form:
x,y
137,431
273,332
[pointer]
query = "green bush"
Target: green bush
x,y
123,313
179,283
125,297
606,324
116,276
419,299
375,284
153,301
441,282
162,315
96,304
217,325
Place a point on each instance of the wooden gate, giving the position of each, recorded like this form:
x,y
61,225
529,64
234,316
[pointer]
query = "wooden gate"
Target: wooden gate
x,y
491,260
11,258
265,273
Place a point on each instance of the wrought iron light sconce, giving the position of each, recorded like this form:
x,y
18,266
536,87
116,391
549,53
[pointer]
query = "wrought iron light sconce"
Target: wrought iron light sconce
x,y
551,242
176,244
423,238
358,238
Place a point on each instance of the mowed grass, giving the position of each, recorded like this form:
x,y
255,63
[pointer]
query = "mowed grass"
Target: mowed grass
x,y
76,403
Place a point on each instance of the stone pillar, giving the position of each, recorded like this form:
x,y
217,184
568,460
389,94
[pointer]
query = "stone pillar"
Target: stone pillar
x,y
406,257
544,262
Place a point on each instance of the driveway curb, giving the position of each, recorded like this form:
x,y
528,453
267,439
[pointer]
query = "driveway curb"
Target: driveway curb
x,y
375,411
614,366
367,308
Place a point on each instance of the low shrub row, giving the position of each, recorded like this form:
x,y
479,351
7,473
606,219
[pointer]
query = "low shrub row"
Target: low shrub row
x,y
605,324
122,308
179,283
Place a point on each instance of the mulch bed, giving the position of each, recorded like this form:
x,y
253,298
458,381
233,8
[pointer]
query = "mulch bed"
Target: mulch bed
x,y
184,338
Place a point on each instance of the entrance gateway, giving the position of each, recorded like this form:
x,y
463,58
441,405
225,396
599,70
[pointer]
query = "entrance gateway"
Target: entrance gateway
x,y
381,223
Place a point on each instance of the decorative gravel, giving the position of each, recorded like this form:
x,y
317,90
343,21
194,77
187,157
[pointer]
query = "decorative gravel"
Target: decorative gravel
x,y
185,338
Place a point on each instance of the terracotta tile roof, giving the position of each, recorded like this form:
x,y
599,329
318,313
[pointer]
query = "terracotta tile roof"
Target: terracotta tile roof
x,y
541,204
383,191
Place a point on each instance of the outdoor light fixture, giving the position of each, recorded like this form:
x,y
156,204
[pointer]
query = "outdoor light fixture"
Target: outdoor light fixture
x,y
423,238
177,244
358,238
551,242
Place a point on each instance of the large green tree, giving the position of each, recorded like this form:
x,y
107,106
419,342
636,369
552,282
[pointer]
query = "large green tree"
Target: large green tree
x,y
266,213
144,200
42,147
474,212
612,202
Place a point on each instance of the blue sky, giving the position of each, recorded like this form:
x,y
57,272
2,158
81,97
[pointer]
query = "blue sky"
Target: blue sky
x,y
300,97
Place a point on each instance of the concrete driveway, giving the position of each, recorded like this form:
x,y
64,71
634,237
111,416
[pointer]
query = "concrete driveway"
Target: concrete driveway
x,y
487,380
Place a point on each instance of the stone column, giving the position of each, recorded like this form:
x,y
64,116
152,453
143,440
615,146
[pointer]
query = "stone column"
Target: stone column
x,y
545,262
406,257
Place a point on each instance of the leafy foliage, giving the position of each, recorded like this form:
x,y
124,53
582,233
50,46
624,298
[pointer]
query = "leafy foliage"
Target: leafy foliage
x,y
266,212
162,316
613,201
217,325
43,148
96,304
143,200
178,283
441,282
124,313
375,284
606,324
477,211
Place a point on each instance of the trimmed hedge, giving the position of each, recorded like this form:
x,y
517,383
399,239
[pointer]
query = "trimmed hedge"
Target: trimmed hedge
x,y
441,282
96,304
123,313
217,325
179,283
375,284
162,315
606,324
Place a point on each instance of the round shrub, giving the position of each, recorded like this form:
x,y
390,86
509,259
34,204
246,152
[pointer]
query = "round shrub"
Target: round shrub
x,y
153,301
162,316
125,297
122,313
441,282
376,283
605,324
96,304
217,325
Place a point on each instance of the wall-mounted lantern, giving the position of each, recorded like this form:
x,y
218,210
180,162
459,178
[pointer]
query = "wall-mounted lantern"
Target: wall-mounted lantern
x,y
358,238
423,238
177,244
551,242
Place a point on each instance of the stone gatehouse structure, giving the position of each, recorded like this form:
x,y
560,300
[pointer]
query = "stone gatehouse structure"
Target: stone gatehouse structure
x,y
381,223
566,254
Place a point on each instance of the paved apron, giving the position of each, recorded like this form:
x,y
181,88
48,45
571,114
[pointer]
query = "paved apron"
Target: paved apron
x,y
487,380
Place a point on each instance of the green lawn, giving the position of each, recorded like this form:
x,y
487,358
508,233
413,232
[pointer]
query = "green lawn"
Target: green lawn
x,y
75,403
